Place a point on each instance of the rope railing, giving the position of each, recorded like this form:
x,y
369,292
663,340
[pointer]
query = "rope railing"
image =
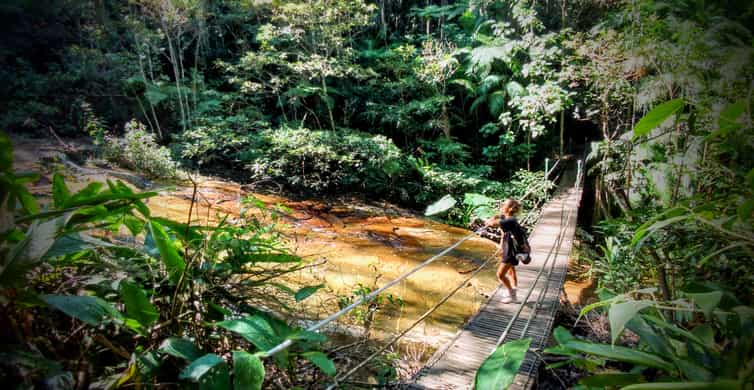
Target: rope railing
x,y
424,316
366,298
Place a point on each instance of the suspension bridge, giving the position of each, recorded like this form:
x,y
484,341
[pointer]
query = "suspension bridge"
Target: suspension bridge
x,y
454,365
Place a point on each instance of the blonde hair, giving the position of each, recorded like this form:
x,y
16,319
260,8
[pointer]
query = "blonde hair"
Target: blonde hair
x,y
510,207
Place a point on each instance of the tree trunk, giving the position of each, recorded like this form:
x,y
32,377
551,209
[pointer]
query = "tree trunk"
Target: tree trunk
x,y
562,132
327,101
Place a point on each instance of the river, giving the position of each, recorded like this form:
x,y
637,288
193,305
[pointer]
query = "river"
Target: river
x,y
355,242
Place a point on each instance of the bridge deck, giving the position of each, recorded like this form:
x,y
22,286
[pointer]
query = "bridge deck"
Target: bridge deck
x,y
454,365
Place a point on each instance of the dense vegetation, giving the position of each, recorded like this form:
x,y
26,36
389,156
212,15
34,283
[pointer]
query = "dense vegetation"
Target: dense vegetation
x,y
402,100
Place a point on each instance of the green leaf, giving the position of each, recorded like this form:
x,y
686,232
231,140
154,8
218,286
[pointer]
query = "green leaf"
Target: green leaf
x,y
306,292
445,203
706,301
209,371
661,221
728,119
321,361
611,379
496,102
499,369
74,243
137,303
60,192
562,335
694,371
657,116
464,83
248,371
168,252
620,313
180,348
39,239
6,152
91,310
657,343
745,210
482,207
255,329
721,384
622,354
515,89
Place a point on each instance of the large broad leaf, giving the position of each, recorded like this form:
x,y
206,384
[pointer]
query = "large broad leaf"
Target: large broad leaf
x,y
91,310
663,220
496,102
482,207
180,348
256,329
27,253
657,116
706,301
622,354
168,252
728,119
74,243
60,192
137,303
248,371
620,313
499,369
209,371
306,292
658,343
321,361
445,203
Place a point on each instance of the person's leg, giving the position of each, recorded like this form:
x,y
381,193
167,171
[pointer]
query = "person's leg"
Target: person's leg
x,y
502,271
514,277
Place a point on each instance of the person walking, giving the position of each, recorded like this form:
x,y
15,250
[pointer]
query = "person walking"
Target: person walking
x,y
513,245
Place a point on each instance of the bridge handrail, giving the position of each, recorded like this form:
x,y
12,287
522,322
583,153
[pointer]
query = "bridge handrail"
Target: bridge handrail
x,y
366,298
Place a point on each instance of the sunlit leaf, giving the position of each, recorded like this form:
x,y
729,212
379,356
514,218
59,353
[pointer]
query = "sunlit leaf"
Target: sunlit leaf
x,y
499,369
306,292
657,116
168,252
445,203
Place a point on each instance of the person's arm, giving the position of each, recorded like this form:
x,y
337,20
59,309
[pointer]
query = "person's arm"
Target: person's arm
x,y
493,221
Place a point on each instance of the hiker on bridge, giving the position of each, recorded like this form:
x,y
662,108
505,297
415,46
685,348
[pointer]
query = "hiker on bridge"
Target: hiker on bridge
x,y
513,245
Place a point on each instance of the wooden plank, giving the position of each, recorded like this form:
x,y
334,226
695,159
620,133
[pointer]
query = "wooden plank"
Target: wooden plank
x,y
454,365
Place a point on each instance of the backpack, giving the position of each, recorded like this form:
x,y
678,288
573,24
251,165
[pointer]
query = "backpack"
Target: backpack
x,y
519,252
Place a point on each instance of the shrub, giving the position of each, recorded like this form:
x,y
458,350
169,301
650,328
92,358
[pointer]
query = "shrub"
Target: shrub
x,y
320,160
138,150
